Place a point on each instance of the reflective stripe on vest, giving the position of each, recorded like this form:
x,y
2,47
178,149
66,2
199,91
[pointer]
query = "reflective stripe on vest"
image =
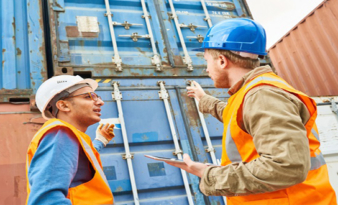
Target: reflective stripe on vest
x,y
96,163
231,148
37,134
238,145
87,149
317,161
315,134
260,78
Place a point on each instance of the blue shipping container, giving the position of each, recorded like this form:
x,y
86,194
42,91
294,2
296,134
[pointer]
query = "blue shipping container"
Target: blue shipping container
x,y
23,66
135,44
140,53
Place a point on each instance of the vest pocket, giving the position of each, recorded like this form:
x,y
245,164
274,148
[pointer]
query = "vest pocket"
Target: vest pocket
x,y
92,192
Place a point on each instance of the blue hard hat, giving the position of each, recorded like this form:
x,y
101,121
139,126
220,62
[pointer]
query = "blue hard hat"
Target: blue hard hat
x,y
240,34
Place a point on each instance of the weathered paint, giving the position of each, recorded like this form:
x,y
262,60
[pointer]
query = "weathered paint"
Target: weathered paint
x,y
307,56
18,126
93,54
90,54
23,66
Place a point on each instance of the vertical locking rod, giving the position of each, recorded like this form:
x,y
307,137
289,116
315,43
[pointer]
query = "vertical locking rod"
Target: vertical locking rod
x,y
207,16
118,96
210,149
187,60
165,96
116,59
156,60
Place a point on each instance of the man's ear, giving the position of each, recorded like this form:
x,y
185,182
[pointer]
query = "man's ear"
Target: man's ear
x,y
223,61
63,105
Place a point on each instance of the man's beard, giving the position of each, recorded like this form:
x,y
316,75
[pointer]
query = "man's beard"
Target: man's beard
x,y
222,81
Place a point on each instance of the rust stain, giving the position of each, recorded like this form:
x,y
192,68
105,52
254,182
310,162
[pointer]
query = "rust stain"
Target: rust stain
x,y
57,18
118,189
13,24
178,60
134,74
3,50
72,31
198,151
192,111
176,71
58,5
18,51
19,185
165,63
105,64
13,183
81,42
99,43
139,49
41,14
90,34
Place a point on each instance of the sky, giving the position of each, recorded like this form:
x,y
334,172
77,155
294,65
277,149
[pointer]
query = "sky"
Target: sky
x,y
279,16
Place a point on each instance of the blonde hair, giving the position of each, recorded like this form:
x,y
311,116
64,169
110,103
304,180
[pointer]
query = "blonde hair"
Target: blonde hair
x,y
235,59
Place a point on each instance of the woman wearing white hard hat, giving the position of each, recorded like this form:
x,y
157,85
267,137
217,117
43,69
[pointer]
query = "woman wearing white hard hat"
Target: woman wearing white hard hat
x,y
63,164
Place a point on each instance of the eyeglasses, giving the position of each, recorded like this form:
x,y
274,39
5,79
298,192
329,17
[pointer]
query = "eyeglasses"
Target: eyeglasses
x,y
92,96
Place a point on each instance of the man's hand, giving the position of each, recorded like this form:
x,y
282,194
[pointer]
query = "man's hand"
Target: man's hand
x,y
195,168
105,133
195,91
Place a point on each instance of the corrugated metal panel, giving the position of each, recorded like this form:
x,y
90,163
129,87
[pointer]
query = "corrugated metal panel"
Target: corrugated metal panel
x,y
307,57
92,52
18,126
148,132
23,67
81,44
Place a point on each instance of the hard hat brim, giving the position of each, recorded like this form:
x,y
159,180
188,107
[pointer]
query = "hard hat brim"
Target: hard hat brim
x,y
198,49
92,83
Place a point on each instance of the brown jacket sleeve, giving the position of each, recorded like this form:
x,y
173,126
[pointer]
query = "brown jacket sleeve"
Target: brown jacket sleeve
x,y
276,121
213,106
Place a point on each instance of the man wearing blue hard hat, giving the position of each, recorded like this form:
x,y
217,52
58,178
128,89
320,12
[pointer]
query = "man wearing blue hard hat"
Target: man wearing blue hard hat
x,y
270,146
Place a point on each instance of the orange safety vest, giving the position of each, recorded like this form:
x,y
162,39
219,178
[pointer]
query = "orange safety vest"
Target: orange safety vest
x,y
95,191
238,146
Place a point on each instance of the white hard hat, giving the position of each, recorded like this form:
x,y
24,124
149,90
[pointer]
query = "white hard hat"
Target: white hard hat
x,y
55,85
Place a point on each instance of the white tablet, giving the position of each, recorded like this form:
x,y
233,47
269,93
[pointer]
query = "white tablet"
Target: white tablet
x,y
164,159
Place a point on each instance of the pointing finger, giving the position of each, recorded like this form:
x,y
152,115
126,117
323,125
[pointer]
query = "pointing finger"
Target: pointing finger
x,y
100,126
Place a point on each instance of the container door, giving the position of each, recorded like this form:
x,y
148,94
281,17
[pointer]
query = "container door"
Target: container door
x,y
23,58
186,24
213,126
148,132
104,37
